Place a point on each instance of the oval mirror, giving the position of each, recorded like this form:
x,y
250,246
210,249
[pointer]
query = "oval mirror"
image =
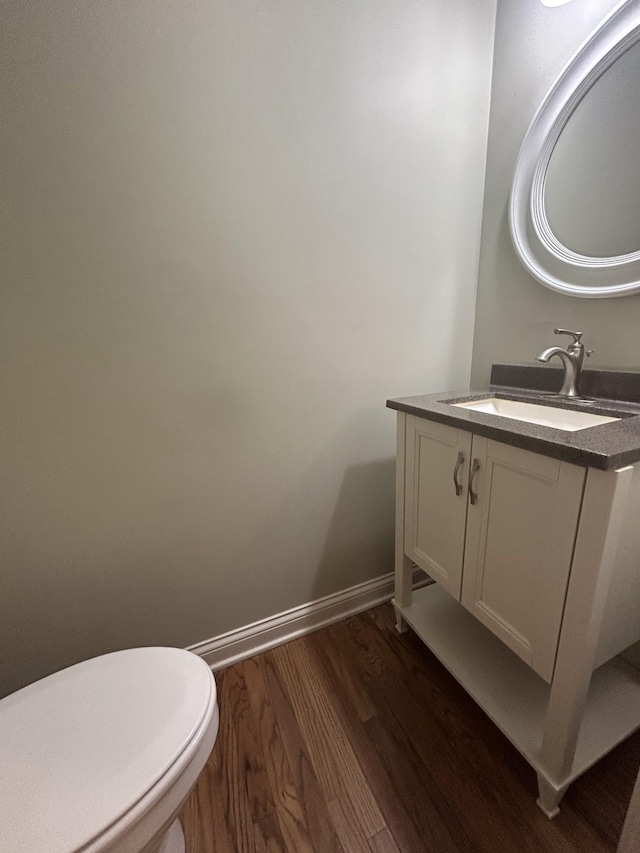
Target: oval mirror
x,y
574,211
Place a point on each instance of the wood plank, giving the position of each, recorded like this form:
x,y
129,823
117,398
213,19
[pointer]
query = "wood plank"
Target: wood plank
x,y
318,822
349,831
251,758
332,644
290,811
438,821
331,753
206,816
383,843
440,825
267,837
237,803
441,750
342,670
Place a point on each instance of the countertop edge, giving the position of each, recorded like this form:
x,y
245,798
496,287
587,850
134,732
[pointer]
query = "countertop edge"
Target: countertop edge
x,y
618,447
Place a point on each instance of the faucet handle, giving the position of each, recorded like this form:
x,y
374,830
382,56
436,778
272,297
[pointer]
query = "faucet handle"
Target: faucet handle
x,y
575,335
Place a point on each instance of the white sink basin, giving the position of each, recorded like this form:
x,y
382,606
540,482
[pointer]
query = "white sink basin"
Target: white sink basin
x,y
532,413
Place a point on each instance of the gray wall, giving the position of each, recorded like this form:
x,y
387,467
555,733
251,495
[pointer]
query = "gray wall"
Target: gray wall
x,y
515,315
230,231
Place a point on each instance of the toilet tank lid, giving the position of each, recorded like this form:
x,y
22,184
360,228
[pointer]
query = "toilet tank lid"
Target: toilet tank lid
x,y
79,748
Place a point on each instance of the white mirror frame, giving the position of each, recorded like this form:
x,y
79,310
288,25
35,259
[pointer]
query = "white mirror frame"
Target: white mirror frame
x,y
544,256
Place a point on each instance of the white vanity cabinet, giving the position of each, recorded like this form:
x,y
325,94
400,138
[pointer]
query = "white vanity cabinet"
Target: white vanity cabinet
x,y
496,526
537,570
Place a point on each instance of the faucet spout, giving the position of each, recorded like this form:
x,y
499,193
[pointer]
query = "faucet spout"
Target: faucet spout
x,y
546,354
571,369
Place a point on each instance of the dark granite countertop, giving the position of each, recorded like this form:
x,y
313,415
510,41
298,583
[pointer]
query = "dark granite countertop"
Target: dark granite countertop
x,y
606,446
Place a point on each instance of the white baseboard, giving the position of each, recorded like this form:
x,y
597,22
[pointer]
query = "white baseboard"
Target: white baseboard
x,y
243,643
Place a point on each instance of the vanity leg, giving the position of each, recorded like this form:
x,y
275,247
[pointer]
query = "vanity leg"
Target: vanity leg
x,y
403,589
403,565
401,622
549,796
593,560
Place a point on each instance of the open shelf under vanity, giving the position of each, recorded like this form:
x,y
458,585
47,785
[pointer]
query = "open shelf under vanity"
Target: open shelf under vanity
x,y
508,690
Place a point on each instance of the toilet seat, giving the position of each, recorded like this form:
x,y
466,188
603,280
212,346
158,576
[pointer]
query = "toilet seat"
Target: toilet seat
x,y
100,756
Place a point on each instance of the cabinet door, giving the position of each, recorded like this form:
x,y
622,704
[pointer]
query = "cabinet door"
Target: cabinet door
x,y
437,457
521,532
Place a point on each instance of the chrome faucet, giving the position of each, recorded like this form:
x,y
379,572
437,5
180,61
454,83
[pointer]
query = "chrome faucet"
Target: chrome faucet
x,y
572,358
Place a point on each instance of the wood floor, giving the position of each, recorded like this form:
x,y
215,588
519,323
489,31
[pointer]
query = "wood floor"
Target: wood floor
x,y
356,739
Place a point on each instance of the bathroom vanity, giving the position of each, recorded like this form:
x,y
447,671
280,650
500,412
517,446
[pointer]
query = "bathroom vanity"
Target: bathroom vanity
x,y
532,535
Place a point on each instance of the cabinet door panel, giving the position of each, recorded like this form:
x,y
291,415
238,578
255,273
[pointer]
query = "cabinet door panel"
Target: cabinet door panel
x,y
435,514
520,538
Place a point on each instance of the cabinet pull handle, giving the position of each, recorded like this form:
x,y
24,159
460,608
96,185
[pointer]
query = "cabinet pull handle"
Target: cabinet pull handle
x,y
459,462
473,496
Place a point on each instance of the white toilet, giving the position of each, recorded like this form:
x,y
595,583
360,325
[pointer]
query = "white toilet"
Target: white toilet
x,y
102,755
